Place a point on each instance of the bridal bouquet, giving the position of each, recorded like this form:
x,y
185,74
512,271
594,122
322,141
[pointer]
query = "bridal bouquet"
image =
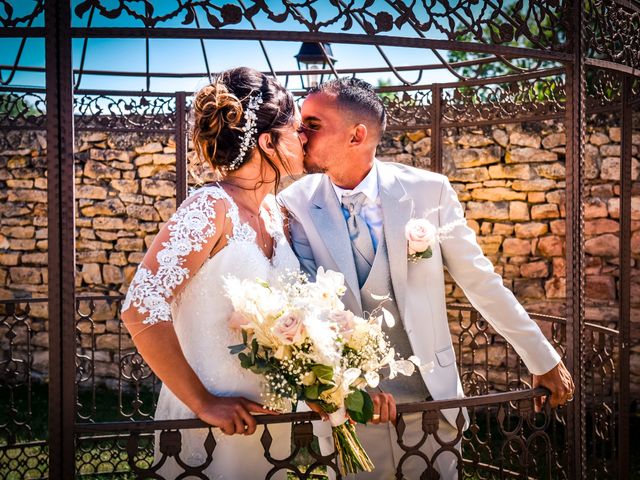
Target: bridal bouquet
x,y
299,337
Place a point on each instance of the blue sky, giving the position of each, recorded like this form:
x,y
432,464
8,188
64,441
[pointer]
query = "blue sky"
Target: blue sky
x,y
186,55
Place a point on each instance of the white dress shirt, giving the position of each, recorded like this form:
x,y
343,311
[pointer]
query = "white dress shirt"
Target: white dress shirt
x,y
372,208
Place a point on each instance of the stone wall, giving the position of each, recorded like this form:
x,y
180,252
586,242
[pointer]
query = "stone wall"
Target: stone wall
x,y
509,178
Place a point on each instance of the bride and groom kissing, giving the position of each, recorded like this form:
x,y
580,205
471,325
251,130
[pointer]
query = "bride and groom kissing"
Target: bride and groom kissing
x,y
353,214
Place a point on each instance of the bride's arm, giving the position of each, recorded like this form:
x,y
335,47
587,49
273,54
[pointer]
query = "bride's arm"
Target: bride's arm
x,y
176,254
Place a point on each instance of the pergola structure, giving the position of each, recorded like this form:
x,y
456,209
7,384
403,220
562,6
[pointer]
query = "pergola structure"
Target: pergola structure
x,y
583,60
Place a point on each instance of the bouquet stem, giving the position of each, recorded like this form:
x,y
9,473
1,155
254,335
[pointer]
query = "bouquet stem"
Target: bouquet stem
x,y
351,454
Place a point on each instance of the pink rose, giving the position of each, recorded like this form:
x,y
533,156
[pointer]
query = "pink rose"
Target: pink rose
x,y
344,319
289,329
420,234
238,321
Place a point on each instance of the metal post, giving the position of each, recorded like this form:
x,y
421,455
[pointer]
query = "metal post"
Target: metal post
x,y
575,127
625,277
181,147
61,233
436,133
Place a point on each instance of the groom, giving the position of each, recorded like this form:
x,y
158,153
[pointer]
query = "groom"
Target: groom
x,y
350,217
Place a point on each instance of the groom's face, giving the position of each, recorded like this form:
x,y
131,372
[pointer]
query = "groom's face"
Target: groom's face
x,y
327,133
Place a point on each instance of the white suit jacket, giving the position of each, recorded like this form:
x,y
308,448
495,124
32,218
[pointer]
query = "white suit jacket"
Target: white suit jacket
x,y
320,238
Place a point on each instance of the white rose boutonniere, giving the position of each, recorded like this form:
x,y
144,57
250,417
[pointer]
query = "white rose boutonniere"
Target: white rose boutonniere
x,y
421,237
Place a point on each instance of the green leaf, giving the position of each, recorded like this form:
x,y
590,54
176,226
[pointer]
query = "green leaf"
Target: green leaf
x,y
245,360
235,349
311,392
324,373
245,337
355,401
254,347
366,412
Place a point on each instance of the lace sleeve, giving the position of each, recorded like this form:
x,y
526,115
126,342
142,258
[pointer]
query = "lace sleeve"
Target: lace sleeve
x,y
179,249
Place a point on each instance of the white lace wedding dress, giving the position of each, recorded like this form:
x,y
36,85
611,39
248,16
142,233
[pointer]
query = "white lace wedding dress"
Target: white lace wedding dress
x,y
200,313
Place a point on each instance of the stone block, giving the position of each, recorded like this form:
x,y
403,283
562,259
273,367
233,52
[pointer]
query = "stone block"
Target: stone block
x,y
554,140
613,206
109,207
95,256
129,244
516,247
528,289
107,235
595,208
524,139
143,212
591,161
497,194
558,227
635,243
35,259
490,244
31,196
531,230
529,155
118,259
467,175
598,139
25,275
505,229
487,211
475,157
146,171
538,185
163,159
600,226
19,232
21,244
100,170
600,287
516,171
166,208
537,269
611,169
554,171
559,266
160,188
556,287
108,223
125,186
518,211
91,192
536,197
615,134
607,245
91,274
545,211
26,184
112,274
610,150
143,160
551,246
153,147
416,135
474,140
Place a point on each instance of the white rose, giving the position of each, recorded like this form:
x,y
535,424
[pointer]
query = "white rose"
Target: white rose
x,y
345,321
420,234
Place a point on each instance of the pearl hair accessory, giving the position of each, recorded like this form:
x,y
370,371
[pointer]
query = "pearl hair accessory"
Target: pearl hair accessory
x,y
248,140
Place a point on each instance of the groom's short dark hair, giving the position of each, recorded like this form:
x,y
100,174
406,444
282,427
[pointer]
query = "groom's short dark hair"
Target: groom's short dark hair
x,y
357,96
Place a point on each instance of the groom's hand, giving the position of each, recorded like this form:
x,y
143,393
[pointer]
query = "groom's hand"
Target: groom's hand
x,y
558,380
384,408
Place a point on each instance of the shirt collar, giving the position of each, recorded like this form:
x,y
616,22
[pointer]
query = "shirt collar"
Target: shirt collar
x,y
368,186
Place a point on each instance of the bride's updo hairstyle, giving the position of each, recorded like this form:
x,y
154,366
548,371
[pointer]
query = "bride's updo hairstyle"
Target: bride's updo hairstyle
x,y
221,111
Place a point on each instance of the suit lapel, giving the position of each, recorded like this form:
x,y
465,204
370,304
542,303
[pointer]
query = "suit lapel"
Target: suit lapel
x,y
328,218
397,208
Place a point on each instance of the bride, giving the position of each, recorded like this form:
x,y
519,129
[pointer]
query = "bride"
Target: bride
x,y
246,126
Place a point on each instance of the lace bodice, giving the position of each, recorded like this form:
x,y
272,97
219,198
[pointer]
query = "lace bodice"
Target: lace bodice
x,y
168,265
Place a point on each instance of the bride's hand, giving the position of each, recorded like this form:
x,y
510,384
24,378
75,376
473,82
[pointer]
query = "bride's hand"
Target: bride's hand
x,y
231,414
